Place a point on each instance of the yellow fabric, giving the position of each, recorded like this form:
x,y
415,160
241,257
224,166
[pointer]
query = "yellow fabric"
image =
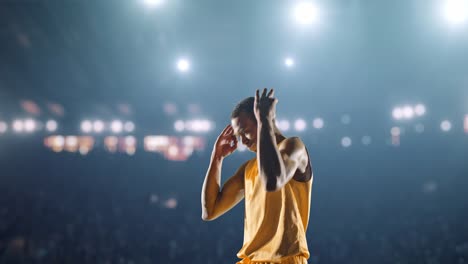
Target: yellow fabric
x,y
275,223
286,260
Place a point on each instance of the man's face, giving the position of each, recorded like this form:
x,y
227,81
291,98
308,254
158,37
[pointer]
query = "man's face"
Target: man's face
x,y
246,129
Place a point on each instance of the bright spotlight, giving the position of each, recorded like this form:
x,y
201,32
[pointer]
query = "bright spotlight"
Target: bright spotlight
x,y
397,113
283,125
289,62
306,13
86,126
197,125
29,125
51,125
71,141
129,126
300,125
346,142
318,123
130,141
408,112
419,109
98,126
116,126
173,150
455,11
3,127
18,126
179,125
57,143
153,3
445,125
183,65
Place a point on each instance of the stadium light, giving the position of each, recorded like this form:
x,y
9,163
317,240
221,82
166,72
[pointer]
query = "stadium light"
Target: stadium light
x,y
173,150
300,125
420,109
455,12
283,125
116,126
98,126
86,126
183,65
306,13
179,125
445,125
289,62
318,123
397,113
3,127
129,126
153,3
408,112
346,142
29,125
51,125
198,125
18,125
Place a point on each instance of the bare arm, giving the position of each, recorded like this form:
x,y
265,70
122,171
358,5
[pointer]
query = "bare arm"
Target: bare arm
x,y
214,200
277,164
286,159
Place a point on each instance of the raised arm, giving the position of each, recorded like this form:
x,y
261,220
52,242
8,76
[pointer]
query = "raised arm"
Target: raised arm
x,y
277,164
215,200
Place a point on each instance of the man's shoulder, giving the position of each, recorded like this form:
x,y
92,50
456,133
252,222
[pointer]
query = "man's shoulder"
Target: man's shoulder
x,y
293,143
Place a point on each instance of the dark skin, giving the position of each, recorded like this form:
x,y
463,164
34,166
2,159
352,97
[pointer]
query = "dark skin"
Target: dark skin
x,y
278,157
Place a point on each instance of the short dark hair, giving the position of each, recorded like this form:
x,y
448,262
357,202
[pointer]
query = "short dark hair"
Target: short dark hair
x,y
245,106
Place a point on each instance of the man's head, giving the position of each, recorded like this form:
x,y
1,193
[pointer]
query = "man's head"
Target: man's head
x,y
244,123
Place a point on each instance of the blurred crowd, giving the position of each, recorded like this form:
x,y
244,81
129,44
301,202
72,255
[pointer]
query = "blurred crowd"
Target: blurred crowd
x,y
393,207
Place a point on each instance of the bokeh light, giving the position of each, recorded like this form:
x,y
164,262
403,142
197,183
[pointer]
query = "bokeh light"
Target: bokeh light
x,y
346,142
98,126
289,62
18,126
306,13
3,127
318,123
446,125
300,125
116,126
51,125
183,65
455,12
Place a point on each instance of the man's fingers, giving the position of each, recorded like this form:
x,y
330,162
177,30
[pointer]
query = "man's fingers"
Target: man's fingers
x,y
257,95
226,129
271,93
264,92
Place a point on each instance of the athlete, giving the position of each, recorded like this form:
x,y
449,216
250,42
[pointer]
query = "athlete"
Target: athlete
x,y
276,184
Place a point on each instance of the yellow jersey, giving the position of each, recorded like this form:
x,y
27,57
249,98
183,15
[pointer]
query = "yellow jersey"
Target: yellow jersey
x,y
275,223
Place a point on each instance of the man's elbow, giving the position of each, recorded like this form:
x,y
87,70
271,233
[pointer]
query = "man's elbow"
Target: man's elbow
x,y
272,185
207,217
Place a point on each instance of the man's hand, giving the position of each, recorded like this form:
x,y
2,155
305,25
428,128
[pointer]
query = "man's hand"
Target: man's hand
x,y
265,105
226,143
